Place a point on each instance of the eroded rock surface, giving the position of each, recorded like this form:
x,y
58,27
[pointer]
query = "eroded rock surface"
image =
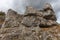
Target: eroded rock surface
x,y
28,26
12,19
45,17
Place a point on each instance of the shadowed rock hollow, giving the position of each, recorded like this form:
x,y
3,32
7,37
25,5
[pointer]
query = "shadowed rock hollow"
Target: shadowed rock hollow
x,y
33,25
2,18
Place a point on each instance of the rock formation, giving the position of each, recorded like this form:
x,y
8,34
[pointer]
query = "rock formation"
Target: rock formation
x,y
28,26
45,17
12,19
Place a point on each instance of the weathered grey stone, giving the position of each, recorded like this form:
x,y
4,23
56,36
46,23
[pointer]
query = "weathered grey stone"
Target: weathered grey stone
x,y
30,11
12,19
49,13
40,13
29,21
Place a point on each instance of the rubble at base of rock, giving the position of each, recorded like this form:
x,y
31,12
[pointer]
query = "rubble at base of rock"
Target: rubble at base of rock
x,y
33,25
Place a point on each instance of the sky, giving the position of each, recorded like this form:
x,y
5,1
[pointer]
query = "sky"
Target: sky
x,y
20,5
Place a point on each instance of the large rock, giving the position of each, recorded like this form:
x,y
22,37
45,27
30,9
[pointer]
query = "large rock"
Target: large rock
x,y
49,13
12,19
29,21
15,26
40,17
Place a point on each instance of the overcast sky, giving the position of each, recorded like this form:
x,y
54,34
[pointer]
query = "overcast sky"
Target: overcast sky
x,y
19,5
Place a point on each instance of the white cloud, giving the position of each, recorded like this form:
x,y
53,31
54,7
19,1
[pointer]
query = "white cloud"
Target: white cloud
x,y
5,4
